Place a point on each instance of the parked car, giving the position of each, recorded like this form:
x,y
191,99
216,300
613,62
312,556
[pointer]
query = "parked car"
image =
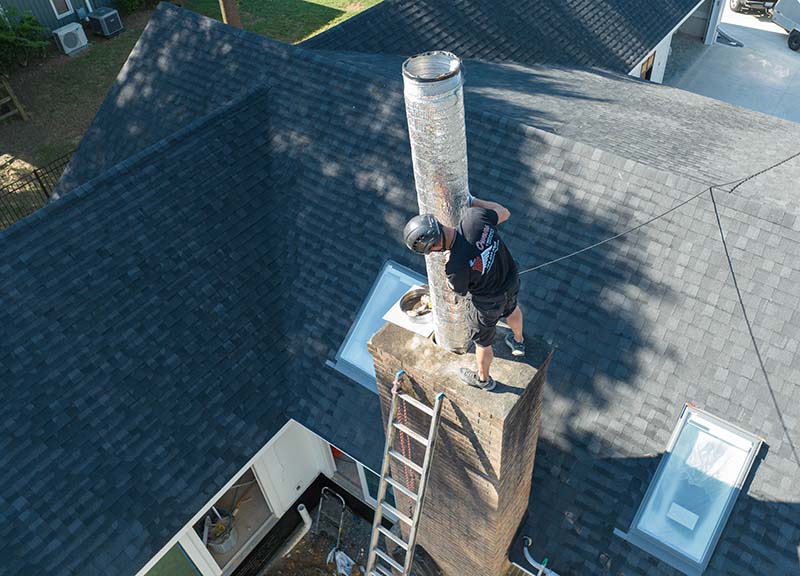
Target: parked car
x,y
752,5
786,14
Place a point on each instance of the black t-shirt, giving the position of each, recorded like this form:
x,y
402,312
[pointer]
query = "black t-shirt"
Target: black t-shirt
x,y
479,261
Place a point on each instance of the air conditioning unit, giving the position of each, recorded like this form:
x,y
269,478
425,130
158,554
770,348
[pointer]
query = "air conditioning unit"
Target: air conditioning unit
x,y
71,38
105,22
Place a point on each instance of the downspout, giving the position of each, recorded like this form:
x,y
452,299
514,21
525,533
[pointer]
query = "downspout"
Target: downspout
x,y
540,567
434,96
293,540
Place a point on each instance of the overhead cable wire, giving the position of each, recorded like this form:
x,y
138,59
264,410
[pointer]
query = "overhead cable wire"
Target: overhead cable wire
x,y
737,183
623,233
764,171
750,331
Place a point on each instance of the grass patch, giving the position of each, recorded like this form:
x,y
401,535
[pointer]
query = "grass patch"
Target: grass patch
x,y
62,95
287,20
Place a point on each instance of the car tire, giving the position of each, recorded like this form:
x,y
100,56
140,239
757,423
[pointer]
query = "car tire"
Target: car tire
x,y
736,5
794,40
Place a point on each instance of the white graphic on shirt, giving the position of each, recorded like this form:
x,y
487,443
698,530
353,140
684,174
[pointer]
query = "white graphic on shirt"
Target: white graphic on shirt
x,y
485,261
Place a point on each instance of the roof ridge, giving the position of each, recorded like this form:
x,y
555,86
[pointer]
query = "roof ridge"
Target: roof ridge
x,y
496,118
323,57
80,192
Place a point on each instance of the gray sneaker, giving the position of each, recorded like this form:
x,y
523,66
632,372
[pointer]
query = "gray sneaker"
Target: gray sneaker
x,y
517,348
470,377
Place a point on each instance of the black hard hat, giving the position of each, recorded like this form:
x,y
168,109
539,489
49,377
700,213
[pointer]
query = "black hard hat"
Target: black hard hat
x,y
422,233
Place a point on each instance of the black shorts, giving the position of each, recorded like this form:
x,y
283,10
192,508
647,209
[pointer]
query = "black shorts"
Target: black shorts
x,y
486,312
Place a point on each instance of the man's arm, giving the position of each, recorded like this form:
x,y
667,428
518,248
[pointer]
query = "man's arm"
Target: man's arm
x,y
458,281
502,212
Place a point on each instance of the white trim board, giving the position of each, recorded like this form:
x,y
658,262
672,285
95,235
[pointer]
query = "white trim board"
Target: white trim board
x,y
189,540
65,14
671,32
180,536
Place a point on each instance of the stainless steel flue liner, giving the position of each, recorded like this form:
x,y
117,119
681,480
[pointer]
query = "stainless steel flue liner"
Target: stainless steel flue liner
x,y
435,109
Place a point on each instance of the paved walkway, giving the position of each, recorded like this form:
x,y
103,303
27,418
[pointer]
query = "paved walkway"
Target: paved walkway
x,y
764,75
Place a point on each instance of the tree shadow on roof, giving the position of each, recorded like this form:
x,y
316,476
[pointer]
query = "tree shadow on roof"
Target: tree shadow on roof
x,y
355,191
610,34
580,496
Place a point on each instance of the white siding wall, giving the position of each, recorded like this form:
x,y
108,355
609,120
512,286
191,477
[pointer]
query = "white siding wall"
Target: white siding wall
x,y
697,23
704,22
289,465
662,50
660,64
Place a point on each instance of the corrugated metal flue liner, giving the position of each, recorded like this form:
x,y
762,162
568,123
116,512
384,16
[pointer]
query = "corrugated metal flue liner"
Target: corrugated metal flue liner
x,y
435,109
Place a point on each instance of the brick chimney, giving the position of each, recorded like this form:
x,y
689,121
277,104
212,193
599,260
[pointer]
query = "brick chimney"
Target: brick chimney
x,y
481,473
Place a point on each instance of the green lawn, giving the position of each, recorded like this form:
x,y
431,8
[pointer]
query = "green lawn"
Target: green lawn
x,y
61,95
287,20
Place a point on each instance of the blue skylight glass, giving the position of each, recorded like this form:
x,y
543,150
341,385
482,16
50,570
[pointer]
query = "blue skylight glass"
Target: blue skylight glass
x,y
691,496
354,359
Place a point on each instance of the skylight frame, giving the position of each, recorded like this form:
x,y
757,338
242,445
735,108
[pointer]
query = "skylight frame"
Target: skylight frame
x,y
662,550
344,366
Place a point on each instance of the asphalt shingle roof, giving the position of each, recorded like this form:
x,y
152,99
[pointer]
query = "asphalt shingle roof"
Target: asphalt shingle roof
x,y
611,34
168,314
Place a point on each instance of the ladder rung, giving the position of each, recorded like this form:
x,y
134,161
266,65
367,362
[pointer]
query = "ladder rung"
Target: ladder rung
x,y
389,560
415,435
404,489
396,512
393,537
417,404
410,463
378,571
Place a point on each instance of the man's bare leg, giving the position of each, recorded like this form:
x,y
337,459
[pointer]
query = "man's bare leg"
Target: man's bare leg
x,y
484,356
514,322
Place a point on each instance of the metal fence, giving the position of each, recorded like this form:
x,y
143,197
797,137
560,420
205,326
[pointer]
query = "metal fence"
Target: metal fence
x,y
30,192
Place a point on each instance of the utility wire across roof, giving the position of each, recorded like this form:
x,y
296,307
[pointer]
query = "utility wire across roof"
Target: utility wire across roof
x,y
710,189
649,221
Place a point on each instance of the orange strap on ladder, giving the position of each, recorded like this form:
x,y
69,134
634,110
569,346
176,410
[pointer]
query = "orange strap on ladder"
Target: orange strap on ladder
x,y
405,441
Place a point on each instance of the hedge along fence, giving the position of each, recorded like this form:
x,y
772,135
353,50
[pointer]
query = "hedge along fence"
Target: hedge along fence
x,y
131,6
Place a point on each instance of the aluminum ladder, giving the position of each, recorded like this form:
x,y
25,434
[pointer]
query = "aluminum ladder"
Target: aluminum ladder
x,y
379,562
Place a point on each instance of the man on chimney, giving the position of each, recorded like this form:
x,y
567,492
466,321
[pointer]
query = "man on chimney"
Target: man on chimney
x,y
478,262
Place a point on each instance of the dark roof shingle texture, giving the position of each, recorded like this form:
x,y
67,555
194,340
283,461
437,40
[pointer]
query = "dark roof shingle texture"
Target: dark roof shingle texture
x,y
611,34
200,282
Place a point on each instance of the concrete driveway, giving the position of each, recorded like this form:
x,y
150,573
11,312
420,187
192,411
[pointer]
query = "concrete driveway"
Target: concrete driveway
x,y
763,75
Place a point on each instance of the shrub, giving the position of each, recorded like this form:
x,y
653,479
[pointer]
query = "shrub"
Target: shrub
x,y
22,38
130,6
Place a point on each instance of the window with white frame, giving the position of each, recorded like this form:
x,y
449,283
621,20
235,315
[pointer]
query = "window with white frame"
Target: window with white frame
x,y
358,479
236,522
62,8
353,358
174,563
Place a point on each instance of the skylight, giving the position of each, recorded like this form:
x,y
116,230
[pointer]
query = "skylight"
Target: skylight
x,y
353,358
694,489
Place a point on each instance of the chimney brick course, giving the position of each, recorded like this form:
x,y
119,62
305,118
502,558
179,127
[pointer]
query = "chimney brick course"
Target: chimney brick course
x,y
481,473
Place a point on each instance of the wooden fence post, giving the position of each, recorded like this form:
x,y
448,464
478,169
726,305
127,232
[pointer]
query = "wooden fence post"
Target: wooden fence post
x,y
230,12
